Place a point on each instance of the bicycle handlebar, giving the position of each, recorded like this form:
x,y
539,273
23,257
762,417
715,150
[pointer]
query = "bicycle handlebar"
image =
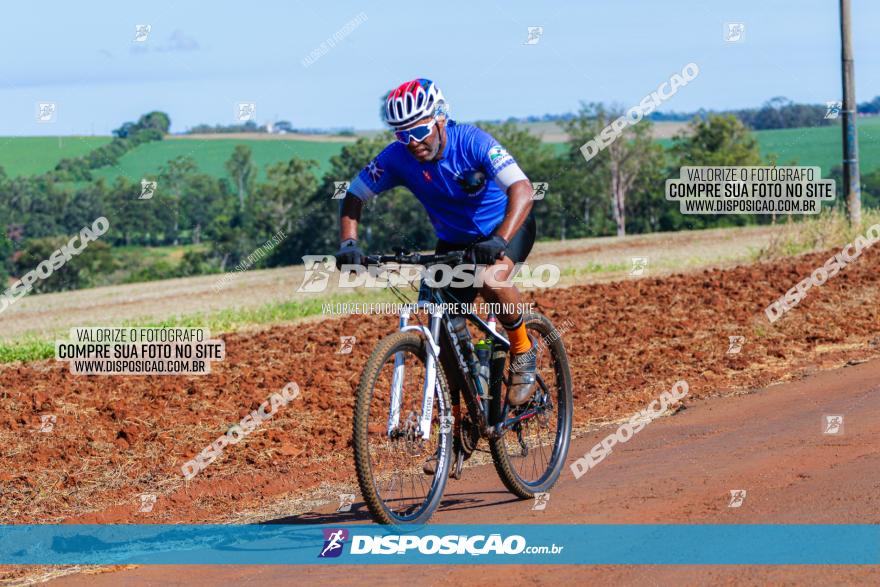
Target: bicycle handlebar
x,y
452,257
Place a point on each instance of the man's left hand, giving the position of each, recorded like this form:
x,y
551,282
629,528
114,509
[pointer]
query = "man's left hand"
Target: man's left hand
x,y
490,250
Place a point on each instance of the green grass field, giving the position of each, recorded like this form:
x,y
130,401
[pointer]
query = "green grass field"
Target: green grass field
x,y
210,155
23,156
822,146
31,155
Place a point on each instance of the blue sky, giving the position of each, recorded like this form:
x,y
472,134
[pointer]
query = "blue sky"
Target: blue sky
x,y
201,58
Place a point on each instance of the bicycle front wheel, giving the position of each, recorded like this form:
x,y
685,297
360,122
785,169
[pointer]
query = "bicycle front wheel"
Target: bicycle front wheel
x,y
392,456
530,455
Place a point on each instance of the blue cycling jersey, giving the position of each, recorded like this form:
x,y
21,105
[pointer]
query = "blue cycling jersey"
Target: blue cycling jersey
x,y
458,217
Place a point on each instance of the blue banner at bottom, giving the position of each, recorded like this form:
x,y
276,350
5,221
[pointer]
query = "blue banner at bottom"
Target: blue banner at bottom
x,y
277,544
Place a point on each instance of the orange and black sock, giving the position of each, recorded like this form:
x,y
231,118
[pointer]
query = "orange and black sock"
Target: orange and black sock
x,y
519,338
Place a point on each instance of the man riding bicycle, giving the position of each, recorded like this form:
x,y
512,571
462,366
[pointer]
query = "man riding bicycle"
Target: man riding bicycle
x,y
477,198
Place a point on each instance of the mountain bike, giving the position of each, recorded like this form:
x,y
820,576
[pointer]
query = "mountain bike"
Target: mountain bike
x,y
403,412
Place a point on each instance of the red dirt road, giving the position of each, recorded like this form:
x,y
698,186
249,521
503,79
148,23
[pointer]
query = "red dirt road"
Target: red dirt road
x,y
676,470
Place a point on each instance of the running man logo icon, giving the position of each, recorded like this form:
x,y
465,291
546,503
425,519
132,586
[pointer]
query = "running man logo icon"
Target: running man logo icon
x,y
246,111
535,34
734,32
736,344
639,264
148,500
333,541
46,112
346,500
141,32
541,501
737,497
47,422
148,188
833,109
339,190
346,345
539,190
833,424
318,268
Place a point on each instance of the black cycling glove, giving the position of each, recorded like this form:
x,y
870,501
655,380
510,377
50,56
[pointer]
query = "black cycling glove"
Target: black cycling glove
x,y
488,251
349,254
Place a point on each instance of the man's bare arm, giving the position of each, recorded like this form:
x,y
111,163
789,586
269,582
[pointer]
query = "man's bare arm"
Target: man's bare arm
x,y
349,217
519,204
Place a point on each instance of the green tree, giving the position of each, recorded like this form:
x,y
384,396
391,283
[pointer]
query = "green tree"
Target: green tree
x,y
717,140
289,186
201,200
80,271
173,177
154,121
618,167
243,171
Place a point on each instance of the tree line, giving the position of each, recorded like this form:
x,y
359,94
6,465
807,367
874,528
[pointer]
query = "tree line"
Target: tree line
x,y
619,191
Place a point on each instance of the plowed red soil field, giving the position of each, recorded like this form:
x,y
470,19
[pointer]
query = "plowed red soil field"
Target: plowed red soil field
x,y
115,438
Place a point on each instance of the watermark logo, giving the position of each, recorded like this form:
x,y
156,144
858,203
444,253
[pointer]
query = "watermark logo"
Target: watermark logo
x,y
833,109
634,115
340,188
245,111
446,423
639,265
832,424
141,32
331,41
630,428
749,189
735,344
55,261
346,500
148,500
541,501
47,422
554,335
539,189
240,431
47,112
333,542
737,497
346,345
258,255
534,35
317,275
148,189
734,32
475,545
820,275
319,267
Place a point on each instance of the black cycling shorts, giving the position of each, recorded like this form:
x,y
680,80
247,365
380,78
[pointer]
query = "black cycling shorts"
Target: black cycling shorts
x,y
517,250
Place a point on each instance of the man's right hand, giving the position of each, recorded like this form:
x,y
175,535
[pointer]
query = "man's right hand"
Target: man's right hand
x,y
349,254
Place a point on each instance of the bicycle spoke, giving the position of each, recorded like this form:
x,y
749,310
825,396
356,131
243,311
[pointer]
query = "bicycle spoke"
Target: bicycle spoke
x,y
397,458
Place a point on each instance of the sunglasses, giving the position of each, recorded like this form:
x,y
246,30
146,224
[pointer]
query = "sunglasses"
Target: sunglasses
x,y
417,133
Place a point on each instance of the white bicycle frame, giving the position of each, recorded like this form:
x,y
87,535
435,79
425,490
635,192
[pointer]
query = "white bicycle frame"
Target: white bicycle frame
x,y
432,335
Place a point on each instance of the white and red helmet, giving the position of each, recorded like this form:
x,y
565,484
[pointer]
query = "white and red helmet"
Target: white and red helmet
x,y
413,100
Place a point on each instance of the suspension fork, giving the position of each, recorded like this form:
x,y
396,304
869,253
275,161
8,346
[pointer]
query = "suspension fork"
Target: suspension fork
x,y
432,336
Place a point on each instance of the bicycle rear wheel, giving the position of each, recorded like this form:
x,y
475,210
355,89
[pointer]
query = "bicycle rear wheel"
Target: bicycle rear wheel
x,y
389,447
530,455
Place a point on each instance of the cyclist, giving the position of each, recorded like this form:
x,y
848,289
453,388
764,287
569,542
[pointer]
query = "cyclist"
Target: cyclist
x,y
476,196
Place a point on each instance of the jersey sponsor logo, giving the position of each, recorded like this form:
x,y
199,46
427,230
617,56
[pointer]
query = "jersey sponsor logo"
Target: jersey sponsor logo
x,y
427,175
375,171
499,157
